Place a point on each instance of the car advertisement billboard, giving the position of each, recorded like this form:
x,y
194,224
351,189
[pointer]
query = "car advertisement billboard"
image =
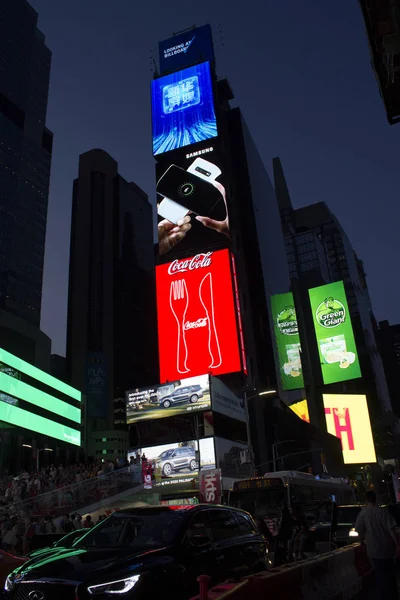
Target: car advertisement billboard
x,y
287,341
192,204
185,395
226,402
228,458
185,49
182,108
197,318
301,410
177,460
347,417
334,333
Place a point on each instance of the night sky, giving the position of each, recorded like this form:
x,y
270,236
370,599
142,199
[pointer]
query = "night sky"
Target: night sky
x,y
301,74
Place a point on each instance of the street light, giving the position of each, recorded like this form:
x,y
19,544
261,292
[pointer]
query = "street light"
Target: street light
x,y
38,453
247,414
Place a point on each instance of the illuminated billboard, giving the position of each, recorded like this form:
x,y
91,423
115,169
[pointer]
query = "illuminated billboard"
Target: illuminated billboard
x,y
192,204
182,108
197,317
183,396
347,417
287,341
334,333
26,393
301,410
177,461
185,49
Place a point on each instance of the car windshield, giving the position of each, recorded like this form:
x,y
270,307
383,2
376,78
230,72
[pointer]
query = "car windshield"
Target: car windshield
x,y
144,529
69,539
348,514
166,454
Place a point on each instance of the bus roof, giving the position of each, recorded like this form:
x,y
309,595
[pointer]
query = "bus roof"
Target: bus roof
x,y
301,475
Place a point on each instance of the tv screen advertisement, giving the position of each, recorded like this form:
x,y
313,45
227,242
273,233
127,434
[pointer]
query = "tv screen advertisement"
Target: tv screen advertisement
x,y
334,333
178,397
228,458
347,417
177,461
192,205
183,110
186,49
287,341
197,317
226,402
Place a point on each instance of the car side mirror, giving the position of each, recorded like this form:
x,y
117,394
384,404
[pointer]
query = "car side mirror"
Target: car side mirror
x,y
199,541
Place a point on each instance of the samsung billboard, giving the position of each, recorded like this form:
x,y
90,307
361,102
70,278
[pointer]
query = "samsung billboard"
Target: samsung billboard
x,y
182,108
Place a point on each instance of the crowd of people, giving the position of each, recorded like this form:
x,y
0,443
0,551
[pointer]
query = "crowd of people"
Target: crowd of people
x,y
17,532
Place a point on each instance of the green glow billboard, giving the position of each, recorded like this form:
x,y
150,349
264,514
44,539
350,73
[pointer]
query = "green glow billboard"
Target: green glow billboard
x,y
334,333
287,341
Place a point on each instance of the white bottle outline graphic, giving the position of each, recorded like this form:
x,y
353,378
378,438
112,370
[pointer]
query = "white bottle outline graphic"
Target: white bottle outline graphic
x,y
211,322
178,293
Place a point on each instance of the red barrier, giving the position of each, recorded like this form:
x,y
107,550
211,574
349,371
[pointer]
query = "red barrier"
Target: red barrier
x,y
339,575
8,563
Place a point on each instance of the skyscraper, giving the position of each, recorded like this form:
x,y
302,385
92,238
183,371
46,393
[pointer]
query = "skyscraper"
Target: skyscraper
x,y
319,252
111,307
25,160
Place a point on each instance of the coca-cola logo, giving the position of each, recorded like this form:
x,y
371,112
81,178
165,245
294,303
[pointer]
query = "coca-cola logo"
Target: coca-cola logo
x,y
195,324
199,261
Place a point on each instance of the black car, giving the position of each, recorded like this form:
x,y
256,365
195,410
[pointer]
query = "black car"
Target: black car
x,y
182,395
152,552
67,541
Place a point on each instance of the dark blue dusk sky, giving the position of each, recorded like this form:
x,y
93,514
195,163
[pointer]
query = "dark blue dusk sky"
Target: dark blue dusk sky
x,y
301,74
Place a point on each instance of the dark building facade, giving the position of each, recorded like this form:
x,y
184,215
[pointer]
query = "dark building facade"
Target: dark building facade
x,y
111,343
319,252
389,346
25,160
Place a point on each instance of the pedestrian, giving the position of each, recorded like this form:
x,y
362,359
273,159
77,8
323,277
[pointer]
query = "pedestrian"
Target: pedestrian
x,y
377,529
88,523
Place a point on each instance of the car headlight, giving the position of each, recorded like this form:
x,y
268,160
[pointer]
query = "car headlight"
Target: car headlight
x,y
8,584
121,586
353,533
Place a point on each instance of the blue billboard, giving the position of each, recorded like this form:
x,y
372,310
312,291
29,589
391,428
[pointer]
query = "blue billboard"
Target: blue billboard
x,y
186,49
183,109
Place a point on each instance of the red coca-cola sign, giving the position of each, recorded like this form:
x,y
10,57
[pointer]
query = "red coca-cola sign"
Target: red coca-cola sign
x,y
210,489
197,317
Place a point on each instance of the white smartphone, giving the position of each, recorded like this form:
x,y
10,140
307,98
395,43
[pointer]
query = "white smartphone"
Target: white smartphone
x,y
172,211
204,169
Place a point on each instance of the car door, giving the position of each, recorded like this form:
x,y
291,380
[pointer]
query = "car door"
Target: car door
x,y
199,557
227,541
179,458
181,394
253,546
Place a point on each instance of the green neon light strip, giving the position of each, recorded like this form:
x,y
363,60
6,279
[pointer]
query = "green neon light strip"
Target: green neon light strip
x,y
31,371
23,391
23,418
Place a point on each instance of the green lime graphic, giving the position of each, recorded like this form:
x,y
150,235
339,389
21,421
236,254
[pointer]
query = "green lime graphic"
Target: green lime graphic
x,y
330,313
287,321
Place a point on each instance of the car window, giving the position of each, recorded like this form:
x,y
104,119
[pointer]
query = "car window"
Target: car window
x,y
224,524
245,524
200,525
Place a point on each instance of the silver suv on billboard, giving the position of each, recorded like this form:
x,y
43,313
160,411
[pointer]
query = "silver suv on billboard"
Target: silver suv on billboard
x,y
182,395
177,459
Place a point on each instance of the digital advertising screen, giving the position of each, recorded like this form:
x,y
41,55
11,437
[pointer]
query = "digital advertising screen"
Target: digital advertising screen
x,y
228,458
197,317
178,460
186,49
347,417
182,108
192,203
287,341
301,410
183,396
334,333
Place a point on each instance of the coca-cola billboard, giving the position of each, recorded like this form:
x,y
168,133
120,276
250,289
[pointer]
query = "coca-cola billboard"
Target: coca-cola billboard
x,y
197,317
210,488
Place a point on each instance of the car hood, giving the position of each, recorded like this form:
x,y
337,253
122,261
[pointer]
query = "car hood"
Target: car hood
x,y
80,564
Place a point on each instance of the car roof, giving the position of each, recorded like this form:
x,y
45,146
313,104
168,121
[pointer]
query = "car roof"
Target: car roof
x,y
157,509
